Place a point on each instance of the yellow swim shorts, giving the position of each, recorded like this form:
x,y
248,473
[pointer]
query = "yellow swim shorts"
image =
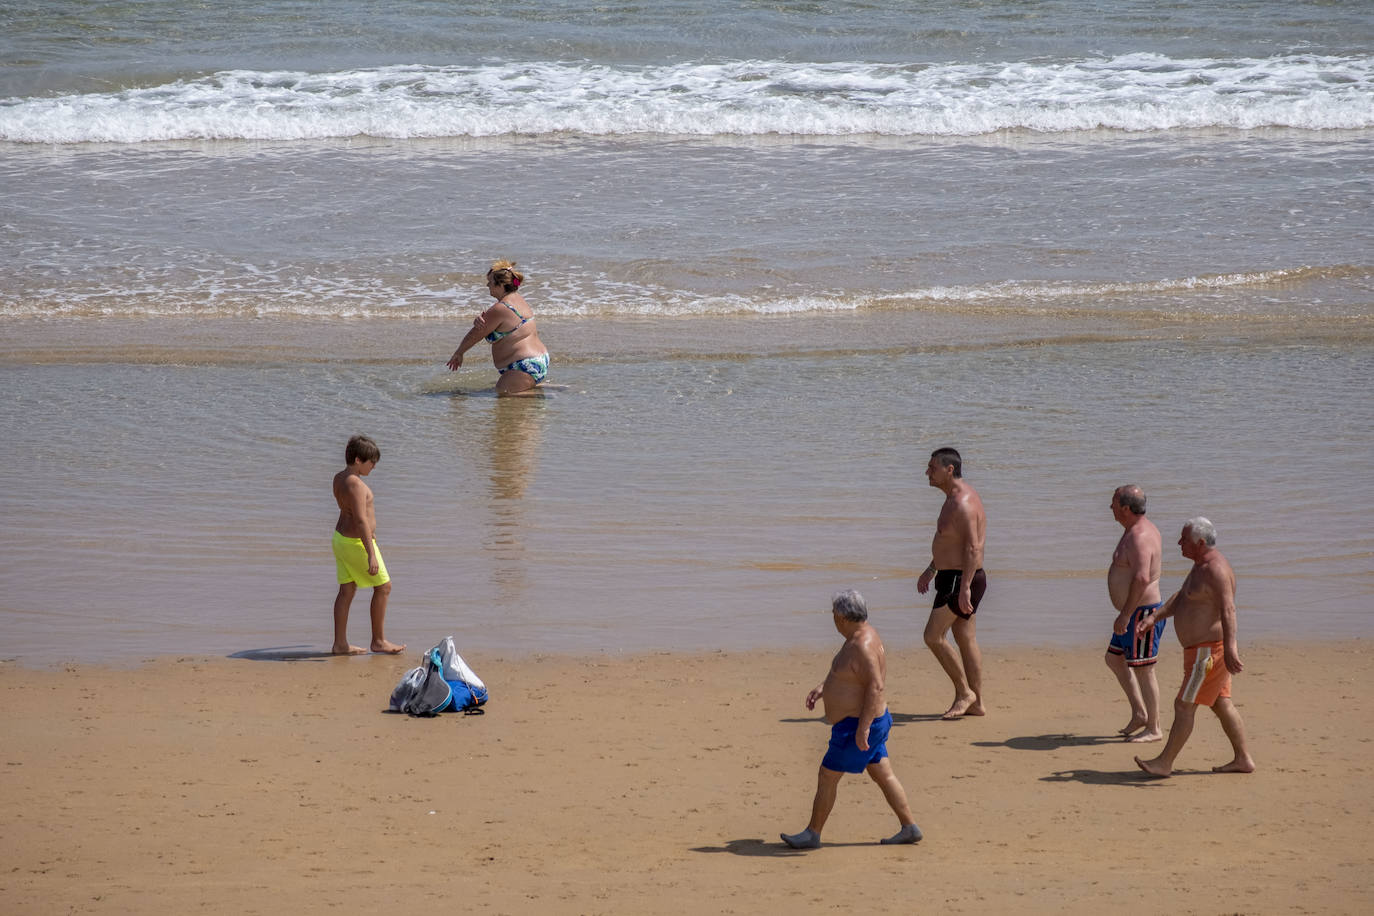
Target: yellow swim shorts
x,y
350,558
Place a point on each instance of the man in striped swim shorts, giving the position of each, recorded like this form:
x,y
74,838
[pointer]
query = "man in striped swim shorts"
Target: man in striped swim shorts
x,y
1133,585
1204,612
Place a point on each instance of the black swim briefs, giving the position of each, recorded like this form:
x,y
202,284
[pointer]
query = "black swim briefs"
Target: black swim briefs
x,y
947,590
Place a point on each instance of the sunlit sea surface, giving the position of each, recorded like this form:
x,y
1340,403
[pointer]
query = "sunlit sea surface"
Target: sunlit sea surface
x,y
778,255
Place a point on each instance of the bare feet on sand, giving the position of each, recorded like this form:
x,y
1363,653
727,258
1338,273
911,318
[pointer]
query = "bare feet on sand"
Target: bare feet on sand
x,y
1236,766
382,647
1145,737
965,706
1135,725
1153,767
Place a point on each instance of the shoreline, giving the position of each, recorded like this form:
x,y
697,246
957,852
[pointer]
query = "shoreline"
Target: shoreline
x,y
909,643
657,782
408,339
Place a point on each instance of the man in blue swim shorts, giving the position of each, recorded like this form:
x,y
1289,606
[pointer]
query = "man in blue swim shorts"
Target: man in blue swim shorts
x,y
1133,584
854,704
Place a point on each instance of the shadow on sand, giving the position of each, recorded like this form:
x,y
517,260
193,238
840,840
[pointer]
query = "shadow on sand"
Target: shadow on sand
x,y
1136,778
909,718
756,847
285,654
898,718
1052,742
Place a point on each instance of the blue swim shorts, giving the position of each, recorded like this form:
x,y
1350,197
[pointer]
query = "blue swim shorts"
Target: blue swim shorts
x,y
1140,651
844,755
536,367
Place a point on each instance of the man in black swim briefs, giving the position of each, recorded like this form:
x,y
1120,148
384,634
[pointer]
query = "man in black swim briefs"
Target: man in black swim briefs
x,y
956,566
947,582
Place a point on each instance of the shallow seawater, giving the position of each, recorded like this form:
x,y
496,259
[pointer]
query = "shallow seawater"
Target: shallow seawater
x,y
684,500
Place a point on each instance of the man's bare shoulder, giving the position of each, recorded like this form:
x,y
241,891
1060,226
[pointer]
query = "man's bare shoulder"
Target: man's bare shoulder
x,y
1144,534
1217,571
868,636
868,643
968,500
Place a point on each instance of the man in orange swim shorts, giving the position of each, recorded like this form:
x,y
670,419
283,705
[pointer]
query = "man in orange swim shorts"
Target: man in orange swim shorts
x,y
1204,612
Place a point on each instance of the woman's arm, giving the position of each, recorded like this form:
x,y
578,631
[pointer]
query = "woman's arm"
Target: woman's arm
x,y
482,325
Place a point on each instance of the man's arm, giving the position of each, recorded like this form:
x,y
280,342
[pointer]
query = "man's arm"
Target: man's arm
x,y
1163,612
923,581
1137,555
1224,588
973,552
870,674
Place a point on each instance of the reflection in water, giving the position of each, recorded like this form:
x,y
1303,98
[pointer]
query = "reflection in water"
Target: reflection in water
x,y
503,437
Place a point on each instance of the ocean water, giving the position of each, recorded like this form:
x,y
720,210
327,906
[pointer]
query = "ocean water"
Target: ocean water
x,y
779,254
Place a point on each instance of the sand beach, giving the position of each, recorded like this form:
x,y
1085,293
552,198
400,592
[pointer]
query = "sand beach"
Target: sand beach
x,y
658,783
779,253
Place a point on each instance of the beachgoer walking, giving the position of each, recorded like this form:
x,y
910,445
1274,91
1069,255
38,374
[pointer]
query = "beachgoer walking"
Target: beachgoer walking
x,y
1204,612
1133,585
956,566
357,558
508,326
852,696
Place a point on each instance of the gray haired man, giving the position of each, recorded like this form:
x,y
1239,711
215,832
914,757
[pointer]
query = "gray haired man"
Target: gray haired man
x,y
856,708
1204,612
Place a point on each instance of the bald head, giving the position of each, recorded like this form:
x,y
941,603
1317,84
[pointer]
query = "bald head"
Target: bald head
x,y
1131,498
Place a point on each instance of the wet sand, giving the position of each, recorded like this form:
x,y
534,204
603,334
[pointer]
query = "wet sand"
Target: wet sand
x,y
699,484
658,783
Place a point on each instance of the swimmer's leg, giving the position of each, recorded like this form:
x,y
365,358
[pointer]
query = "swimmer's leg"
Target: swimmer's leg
x,y
881,773
341,604
513,381
1130,687
378,609
1149,691
937,625
965,636
827,788
1182,729
1231,723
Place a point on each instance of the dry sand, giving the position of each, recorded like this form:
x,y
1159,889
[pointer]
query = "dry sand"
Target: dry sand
x,y
659,783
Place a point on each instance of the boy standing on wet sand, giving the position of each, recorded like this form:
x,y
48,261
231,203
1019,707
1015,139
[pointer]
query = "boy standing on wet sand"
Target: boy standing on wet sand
x,y
356,555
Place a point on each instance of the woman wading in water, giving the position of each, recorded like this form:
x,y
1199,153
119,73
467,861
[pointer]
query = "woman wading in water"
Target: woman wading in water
x,y
516,349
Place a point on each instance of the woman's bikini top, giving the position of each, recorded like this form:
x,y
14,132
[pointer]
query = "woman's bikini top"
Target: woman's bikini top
x,y
494,336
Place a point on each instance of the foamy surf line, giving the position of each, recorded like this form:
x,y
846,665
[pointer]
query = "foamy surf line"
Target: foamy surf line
x,y
1134,92
258,295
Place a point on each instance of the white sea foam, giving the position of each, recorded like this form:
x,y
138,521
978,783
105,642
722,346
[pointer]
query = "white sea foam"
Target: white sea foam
x,y
1134,92
256,294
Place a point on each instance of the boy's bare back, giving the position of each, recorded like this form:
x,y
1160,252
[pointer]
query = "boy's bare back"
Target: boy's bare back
x,y
356,513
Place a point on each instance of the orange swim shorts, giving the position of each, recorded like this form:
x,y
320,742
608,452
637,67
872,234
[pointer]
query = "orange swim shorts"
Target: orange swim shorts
x,y
1205,678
